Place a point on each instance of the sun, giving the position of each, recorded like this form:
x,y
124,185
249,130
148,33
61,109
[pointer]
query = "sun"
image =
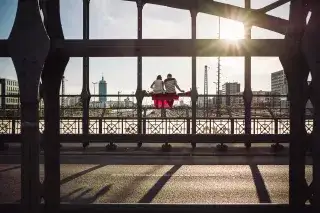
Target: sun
x,y
231,30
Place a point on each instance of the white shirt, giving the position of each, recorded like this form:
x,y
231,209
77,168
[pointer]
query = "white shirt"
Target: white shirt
x,y
157,86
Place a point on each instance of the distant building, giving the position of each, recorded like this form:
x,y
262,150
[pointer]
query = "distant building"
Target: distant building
x,y
279,83
72,101
97,104
200,102
102,91
9,87
260,98
125,103
229,89
128,103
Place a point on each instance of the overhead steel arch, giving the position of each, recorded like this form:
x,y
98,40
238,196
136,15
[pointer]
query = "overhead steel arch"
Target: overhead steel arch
x,y
252,17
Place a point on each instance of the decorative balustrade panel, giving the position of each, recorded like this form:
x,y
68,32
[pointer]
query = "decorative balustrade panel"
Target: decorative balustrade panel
x,y
283,126
167,126
6,126
214,126
151,125
263,126
238,126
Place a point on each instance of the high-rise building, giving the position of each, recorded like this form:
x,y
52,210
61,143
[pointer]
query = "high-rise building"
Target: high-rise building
x,y
102,91
9,87
279,83
279,86
229,88
260,98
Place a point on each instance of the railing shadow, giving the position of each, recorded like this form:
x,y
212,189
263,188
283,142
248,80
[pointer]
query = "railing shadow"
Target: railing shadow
x,y
71,177
152,193
79,174
82,198
128,190
9,169
259,183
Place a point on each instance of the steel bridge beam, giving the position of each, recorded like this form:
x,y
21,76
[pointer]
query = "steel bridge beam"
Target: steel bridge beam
x,y
165,47
167,208
273,6
252,17
172,138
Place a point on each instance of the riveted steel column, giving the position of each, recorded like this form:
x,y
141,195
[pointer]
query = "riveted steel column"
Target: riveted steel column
x,y
85,94
296,72
194,92
139,93
28,48
311,49
247,94
52,75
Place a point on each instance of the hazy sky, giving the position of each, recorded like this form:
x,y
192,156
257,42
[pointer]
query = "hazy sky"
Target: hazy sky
x,y
116,19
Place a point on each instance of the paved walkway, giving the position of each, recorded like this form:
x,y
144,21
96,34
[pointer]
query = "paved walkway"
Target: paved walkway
x,y
182,149
130,179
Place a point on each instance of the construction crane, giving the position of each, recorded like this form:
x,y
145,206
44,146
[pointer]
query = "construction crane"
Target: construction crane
x,y
205,98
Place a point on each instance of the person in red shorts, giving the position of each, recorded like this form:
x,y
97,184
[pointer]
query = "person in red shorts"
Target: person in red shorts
x,y
170,85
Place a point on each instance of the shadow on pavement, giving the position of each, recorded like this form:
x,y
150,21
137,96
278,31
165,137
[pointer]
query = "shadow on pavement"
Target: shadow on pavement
x,y
82,198
129,189
74,176
9,169
261,188
152,193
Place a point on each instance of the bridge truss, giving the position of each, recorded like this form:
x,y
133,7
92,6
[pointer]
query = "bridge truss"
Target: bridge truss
x,y
38,49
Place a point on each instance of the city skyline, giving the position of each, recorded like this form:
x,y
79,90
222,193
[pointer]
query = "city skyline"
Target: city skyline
x,y
111,19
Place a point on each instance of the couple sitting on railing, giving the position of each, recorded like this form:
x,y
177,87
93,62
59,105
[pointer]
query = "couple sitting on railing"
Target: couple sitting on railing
x,y
164,92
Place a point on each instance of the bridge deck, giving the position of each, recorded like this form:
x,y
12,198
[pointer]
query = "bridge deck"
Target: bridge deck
x,y
178,149
161,179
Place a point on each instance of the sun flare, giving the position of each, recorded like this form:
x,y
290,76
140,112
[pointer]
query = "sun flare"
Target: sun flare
x,y
231,30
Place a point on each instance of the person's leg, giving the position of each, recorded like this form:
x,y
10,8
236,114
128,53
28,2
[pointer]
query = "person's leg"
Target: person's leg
x,y
155,103
170,103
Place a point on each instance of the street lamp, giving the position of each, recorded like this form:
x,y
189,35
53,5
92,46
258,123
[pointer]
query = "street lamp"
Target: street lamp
x,y
94,90
119,92
133,108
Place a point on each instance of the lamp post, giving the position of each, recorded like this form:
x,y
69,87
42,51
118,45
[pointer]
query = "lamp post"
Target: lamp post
x,y
94,91
119,92
132,104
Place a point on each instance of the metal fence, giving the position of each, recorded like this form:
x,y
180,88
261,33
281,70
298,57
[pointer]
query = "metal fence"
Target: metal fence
x,y
98,125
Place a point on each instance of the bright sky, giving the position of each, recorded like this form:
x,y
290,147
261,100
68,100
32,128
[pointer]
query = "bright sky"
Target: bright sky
x,y
116,19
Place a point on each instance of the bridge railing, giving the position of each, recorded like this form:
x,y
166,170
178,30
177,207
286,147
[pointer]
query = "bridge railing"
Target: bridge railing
x,y
118,121
119,125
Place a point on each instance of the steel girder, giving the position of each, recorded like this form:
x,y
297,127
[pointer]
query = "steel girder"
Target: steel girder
x,y
210,7
163,47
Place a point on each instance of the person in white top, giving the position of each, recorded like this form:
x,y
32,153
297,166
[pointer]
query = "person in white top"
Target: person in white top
x,y
157,85
171,84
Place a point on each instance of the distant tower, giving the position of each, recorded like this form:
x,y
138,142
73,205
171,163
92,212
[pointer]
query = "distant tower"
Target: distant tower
x,y
102,91
205,99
